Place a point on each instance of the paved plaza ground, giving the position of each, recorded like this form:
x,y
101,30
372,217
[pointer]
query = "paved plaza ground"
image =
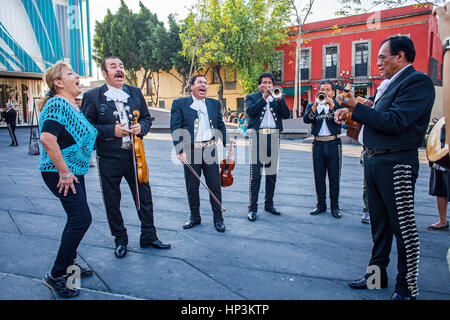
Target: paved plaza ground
x,y
293,256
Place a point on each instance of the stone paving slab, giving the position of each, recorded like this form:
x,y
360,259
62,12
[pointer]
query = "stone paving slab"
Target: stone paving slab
x,y
288,257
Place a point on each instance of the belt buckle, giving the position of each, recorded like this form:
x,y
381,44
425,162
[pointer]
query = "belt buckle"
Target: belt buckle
x,y
266,131
204,144
374,152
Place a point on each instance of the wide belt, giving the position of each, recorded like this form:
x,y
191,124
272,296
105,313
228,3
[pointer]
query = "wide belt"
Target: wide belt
x,y
325,138
204,144
268,131
374,152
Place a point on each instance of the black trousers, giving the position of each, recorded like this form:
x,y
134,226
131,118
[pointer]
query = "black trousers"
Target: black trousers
x,y
113,166
78,221
12,134
327,158
264,152
203,160
390,182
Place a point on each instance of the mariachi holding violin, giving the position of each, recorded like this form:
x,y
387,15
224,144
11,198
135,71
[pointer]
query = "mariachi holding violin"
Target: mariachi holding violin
x,y
196,124
139,161
108,108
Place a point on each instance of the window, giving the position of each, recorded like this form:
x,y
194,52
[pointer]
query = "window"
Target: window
x,y
331,62
433,69
304,64
162,104
149,87
277,68
240,105
230,79
216,76
361,59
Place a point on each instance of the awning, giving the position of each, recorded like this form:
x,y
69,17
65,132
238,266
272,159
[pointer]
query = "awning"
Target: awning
x,y
290,91
362,84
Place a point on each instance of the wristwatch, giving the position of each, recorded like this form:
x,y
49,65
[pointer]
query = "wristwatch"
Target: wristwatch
x,y
447,44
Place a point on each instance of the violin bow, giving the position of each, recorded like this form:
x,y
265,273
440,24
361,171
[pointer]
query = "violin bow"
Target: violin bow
x,y
138,201
201,181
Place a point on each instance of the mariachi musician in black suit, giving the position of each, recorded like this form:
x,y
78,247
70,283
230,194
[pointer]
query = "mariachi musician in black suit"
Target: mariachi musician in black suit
x,y
196,124
327,147
109,108
265,124
392,132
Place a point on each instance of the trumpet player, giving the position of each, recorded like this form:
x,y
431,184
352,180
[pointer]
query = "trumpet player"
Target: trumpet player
x,y
265,110
326,148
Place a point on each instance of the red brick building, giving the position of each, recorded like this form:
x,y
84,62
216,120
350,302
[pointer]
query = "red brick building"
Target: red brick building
x,y
345,50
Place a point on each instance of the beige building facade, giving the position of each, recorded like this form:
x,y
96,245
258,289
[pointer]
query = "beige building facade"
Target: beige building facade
x,y
168,87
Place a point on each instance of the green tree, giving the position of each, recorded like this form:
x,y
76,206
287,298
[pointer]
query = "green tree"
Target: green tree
x,y
140,40
175,46
238,35
116,36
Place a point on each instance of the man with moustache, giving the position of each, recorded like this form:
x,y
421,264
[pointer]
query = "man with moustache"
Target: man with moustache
x,y
108,108
392,131
196,124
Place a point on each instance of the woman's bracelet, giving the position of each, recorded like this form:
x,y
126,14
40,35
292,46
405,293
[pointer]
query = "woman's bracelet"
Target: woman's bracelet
x,y
65,176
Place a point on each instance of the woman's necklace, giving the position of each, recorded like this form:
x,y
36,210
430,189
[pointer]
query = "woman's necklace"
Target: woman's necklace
x,y
70,101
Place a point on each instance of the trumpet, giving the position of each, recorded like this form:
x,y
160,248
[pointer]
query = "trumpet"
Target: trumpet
x,y
276,92
321,97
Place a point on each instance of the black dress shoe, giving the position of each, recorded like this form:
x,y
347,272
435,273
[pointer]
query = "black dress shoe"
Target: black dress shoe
x,y
156,244
190,223
251,216
362,283
397,296
219,226
335,213
59,285
273,210
120,251
317,210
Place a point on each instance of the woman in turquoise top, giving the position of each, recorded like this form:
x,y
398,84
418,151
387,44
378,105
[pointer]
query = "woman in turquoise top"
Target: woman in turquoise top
x,y
67,139
243,123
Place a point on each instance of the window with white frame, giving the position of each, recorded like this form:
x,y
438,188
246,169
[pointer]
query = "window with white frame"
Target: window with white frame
x,y
277,67
331,62
305,63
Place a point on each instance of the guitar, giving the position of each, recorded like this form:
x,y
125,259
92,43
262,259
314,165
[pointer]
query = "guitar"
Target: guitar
x,y
437,146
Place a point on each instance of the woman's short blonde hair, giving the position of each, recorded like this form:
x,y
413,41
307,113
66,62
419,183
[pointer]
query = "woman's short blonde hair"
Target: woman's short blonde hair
x,y
53,73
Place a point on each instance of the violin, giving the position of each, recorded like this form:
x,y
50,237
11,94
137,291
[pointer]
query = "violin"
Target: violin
x,y
226,166
141,163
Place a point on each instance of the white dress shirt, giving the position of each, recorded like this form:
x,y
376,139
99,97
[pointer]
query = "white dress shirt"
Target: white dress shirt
x,y
204,132
324,130
268,121
120,97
